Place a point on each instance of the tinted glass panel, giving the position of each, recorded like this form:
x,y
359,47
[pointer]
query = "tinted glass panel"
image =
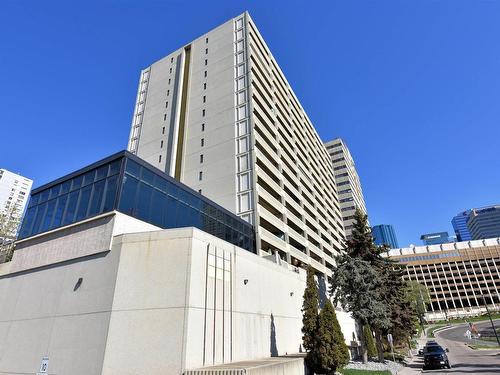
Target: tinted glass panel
x,y
58,215
144,201
65,186
77,183
88,177
69,216
114,167
51,205
129,192
28,222
38,218
97,194
83,203
101,172
133,168
110,195
147,176
44,195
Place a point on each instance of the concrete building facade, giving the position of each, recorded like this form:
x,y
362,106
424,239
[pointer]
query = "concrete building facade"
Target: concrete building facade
x,y
461,277
115,295
14,194
219,115
347,180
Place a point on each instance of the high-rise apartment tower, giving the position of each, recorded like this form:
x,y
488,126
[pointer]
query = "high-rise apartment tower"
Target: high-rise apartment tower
x,y
219,115
14,194
348,184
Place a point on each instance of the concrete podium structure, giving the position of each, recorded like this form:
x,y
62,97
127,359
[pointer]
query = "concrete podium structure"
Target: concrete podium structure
x,y
98,287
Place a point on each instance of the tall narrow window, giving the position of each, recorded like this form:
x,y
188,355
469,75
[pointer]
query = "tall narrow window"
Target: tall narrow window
x,y
163,130
199,191
204,86
202,127
161,144
159,159
169,81
201,158
206,51
204,98
165,117
206,62
170,70
206,40
200,176
168,92
202,143
171,59
203,112
166,104
205,73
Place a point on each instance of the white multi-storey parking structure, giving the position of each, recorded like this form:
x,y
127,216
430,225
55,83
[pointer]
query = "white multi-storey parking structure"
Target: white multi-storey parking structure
x,y
219,115
14,194
347,180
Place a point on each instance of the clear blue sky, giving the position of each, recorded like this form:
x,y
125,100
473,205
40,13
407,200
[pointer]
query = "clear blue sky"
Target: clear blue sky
x,y
412,86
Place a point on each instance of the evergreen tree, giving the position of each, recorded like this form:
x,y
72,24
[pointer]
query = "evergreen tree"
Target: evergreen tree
x,y
330,352
310,308
358,284
370,344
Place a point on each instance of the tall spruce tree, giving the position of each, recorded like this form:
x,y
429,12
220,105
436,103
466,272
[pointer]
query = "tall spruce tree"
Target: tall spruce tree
x,y
310,307
358,284
330,351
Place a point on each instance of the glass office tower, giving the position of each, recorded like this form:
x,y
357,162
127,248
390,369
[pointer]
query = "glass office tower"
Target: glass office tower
x,y
127,184
459,223
435,238
384,234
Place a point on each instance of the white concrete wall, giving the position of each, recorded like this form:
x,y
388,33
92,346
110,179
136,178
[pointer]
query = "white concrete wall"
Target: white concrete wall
x,y
159,302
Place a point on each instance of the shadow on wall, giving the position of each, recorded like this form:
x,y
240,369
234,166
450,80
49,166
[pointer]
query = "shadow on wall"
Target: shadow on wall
x,y
274,347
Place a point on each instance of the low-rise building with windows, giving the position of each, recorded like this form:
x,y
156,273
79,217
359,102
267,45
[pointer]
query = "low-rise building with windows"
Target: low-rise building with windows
x,y
461,277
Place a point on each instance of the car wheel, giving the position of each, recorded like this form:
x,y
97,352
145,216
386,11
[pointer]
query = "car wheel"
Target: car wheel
x,y
448,365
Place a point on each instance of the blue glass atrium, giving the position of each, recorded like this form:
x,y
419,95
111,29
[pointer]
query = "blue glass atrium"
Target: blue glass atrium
x,y
125,183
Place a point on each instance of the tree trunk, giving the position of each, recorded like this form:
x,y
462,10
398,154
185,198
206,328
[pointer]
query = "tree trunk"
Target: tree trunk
x,y
380,346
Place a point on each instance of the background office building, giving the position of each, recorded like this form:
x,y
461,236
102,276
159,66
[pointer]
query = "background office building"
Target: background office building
x,y
14,193
347,180
461,277
459,223
484,222
435,238
219,115
384,234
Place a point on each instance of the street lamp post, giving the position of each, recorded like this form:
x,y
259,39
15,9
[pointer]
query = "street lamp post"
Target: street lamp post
x,y
491,320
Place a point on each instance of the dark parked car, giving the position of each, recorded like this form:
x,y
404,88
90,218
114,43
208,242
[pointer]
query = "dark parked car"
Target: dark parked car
x,y
435,357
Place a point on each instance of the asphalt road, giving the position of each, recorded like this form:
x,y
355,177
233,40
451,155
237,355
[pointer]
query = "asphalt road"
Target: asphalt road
x,y
463,359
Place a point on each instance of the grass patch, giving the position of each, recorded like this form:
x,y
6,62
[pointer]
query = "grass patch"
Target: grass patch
x,y
479,346
430,330
480,318
350,371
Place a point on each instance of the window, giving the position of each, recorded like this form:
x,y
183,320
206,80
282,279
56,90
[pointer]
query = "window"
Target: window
x,y
206,51
170,70
201,158
206,40
163,130
169,81
159,159
202,143
206,62
205,73
171,59
165,117
199,191
203,112
204,86
202,127
204,98
161,144
168,92
200,176
166,104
